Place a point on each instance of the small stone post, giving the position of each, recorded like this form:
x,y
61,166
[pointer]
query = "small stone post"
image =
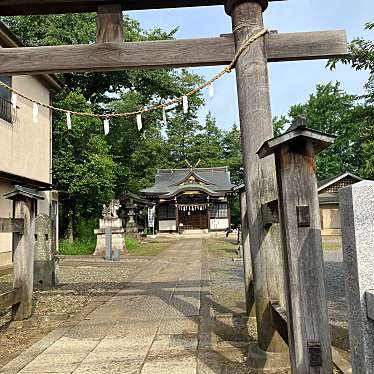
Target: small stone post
x,y
108,243
44,261
357,217
308,323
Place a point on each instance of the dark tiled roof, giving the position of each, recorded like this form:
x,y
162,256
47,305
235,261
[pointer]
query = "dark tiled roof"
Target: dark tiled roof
x,y
215,180
129,195
327,181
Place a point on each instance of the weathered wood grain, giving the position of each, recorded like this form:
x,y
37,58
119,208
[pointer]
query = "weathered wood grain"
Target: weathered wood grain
x,y
247,261
260,181
109,24
308,324
28,7
369,296
23,259
279,319
10,298
169,53
11,225
270,214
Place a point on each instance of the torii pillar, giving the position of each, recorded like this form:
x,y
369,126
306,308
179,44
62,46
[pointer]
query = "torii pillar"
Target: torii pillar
x,y
260,178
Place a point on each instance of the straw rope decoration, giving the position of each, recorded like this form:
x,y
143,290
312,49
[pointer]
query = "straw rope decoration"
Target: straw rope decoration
x,y
181,99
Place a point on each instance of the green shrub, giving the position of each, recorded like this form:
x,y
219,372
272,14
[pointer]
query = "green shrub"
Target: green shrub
x,y
78,247
85,229
131,244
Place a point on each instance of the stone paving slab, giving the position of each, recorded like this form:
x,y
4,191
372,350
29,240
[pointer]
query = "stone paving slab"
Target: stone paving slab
x,y
151,326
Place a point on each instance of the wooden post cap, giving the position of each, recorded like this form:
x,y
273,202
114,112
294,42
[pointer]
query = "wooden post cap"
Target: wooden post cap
x,y
229,4
319,139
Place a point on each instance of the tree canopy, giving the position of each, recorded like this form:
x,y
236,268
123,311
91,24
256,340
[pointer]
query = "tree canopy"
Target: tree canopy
x,y
89,168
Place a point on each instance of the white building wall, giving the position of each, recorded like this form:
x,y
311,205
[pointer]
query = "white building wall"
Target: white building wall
x,y
25,150
6,211
219,223
167,225
25,146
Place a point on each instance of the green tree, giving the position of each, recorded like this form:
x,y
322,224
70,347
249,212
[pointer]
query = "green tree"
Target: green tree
x,y
89,167
83,168
232,153
207,144
360,57
332,110
279,124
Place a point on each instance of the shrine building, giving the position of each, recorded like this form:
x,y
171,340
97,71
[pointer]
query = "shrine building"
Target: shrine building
x,y
191,199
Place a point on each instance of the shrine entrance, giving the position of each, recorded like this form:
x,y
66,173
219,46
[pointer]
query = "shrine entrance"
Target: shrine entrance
x,y
284,277
194,219
193,211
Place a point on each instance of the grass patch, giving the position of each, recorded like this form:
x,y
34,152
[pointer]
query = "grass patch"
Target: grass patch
x,y
332,243
136,248
224,248
78,247
331,246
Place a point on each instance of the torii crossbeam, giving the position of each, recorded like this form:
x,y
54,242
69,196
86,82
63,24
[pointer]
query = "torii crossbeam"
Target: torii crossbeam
x,y
110,53
27,7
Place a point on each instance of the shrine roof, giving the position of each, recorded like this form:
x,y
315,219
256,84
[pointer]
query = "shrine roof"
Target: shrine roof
x,y
215,180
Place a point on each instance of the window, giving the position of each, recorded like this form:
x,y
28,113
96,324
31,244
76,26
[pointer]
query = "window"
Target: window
x,y
219,211
5,99
166,212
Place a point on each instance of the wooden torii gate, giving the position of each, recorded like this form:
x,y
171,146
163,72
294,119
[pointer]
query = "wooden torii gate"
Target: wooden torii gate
x,y
112,53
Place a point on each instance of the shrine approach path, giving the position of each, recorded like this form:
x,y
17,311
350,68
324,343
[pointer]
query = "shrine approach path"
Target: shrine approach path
x,y
157,324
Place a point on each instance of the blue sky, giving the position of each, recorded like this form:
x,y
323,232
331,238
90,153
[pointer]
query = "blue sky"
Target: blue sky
x,y
290,82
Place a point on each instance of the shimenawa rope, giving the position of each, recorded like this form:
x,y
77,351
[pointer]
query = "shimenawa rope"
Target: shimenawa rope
x,y
227,69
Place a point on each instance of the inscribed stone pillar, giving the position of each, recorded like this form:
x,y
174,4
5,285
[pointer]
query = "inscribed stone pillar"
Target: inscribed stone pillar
x,y
357,218
44,259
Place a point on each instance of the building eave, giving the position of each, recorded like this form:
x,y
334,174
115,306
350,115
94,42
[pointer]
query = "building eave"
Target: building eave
x,y
199,188
24,181
9,40
337,179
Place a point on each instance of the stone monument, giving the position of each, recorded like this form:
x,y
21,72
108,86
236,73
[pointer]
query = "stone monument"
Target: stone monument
x,y
357,216
45,261
110,219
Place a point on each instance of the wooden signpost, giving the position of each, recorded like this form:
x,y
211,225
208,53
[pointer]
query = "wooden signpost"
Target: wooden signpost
x,y
308,324
110,53
23,229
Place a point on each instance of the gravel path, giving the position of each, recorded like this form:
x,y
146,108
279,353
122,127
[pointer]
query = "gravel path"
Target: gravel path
x,y
335,292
